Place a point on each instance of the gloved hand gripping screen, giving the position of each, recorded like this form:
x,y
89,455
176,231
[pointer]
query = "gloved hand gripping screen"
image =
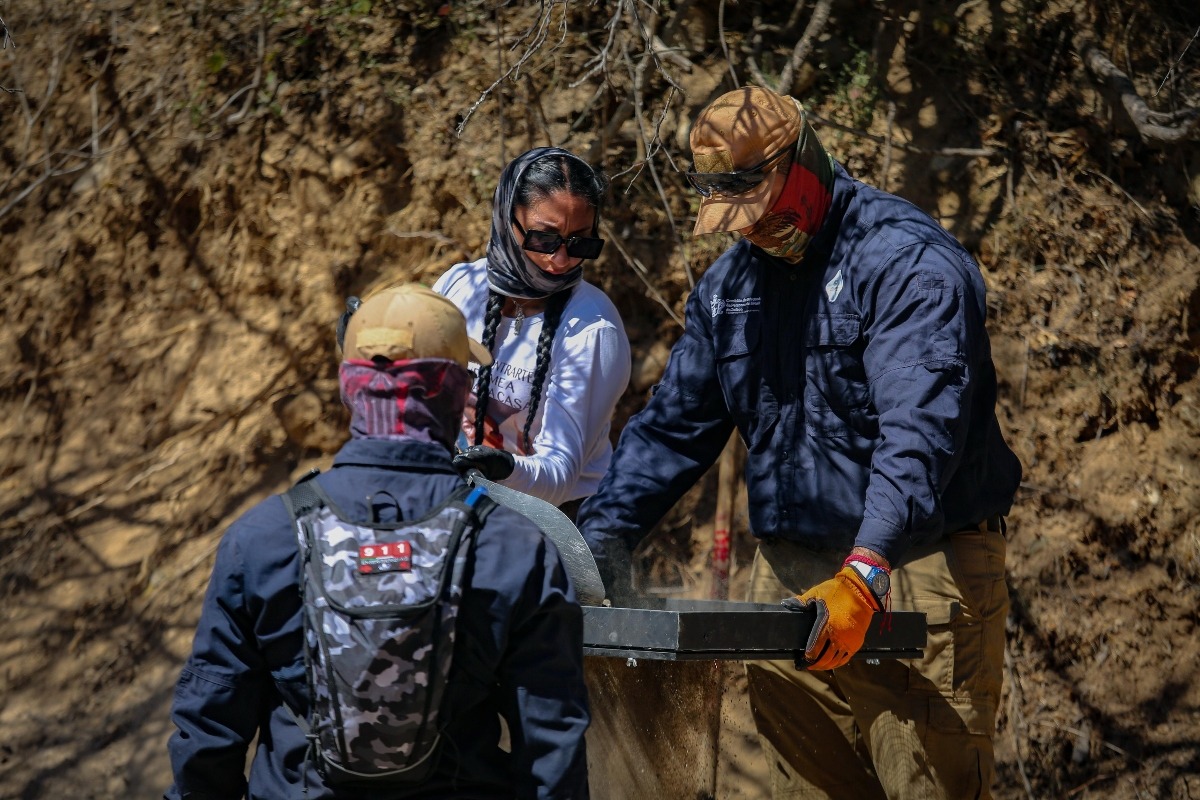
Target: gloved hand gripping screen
x,y
845,607
493,464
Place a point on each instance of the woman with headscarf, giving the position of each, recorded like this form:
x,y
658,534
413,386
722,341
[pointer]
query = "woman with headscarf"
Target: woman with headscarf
x,y
560,353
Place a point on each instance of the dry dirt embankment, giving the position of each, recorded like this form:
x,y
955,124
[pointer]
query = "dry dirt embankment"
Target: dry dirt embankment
x,y
188,190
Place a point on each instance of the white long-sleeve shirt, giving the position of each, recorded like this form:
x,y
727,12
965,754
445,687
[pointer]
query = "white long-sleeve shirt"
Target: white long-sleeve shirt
x,y
589,370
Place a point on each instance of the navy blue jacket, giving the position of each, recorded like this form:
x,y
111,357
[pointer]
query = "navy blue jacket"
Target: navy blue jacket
x,y
519,623
861,381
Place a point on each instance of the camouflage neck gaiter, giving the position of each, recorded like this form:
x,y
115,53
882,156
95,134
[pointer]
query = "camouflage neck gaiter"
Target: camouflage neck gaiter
x,y
419,398
785,230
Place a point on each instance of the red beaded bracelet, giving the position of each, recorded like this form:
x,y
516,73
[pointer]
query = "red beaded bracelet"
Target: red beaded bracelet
x,y
870,562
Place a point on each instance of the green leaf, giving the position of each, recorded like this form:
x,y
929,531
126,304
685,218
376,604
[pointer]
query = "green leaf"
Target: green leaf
x,y
216,61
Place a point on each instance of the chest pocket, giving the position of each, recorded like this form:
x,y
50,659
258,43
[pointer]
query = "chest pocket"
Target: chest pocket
x,y
736,335
737,350
836,396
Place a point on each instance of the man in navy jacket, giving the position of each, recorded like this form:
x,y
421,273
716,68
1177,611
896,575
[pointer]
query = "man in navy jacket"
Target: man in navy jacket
x,y
518,650
843,337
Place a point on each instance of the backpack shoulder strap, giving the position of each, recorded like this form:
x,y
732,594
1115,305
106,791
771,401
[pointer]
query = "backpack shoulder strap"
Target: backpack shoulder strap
x,y
303,496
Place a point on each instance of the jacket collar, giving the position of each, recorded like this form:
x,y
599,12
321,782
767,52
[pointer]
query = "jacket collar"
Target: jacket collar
x,y
395,454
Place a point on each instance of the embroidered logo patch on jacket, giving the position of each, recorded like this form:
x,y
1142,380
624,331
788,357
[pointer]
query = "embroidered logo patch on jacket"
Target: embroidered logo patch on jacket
x,y
733,305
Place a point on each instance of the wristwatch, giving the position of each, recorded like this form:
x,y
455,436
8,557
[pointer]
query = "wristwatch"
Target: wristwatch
x,y
877,579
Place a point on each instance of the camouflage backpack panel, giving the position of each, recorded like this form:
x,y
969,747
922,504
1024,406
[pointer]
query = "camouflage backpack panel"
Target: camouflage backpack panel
x,y
379,636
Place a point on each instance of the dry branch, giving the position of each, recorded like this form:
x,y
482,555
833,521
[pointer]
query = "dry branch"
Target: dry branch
x,y
640,270
816,24
1154,127
965,152
724,43
5,40
251,90
536,34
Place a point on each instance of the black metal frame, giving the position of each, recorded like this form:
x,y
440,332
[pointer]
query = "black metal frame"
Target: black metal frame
x,y
679,630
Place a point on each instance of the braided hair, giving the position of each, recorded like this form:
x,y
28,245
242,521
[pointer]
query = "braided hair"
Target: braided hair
x,y
541,179
483,381
554,310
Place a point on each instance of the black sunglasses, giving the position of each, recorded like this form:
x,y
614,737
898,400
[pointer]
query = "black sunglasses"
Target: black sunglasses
x,y
737,182
548,243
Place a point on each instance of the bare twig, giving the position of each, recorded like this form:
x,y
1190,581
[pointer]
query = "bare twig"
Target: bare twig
x,y
647,32
45,176
95,98
967,152
1120,189
755,72
585,113
753,47
500,71
1018,720
633,103
436,236
599,62
5,40
1171,70
55,162
724,44
640,270
887,150
804,47
32,116
536,34
252,88
1154,127
672,55
1077,732
644,144
649,146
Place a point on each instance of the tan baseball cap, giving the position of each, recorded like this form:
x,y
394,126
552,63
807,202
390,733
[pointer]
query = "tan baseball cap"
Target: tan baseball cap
x,y
410,321
738,130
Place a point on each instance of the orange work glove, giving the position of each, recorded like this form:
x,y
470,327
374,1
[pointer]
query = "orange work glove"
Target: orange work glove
x,y
845,606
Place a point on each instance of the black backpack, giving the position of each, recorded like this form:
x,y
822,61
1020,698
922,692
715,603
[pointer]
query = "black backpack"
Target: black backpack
x,y
380,605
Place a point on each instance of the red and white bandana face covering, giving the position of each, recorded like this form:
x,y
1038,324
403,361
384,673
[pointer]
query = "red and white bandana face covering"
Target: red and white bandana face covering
x,y
419,398
785,230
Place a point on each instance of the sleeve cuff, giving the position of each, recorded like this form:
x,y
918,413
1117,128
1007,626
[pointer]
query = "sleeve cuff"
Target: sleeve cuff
x,y
882,537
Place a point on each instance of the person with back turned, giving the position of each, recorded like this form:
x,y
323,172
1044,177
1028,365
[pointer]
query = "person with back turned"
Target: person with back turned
x,y
501,609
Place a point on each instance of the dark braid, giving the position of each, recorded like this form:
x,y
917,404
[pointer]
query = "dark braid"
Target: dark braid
x,y
554,311
483,382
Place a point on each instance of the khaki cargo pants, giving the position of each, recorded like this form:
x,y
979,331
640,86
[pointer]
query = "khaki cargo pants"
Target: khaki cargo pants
x,y
898,729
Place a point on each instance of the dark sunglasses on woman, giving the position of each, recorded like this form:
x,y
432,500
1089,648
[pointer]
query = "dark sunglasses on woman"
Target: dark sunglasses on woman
x,y
548,243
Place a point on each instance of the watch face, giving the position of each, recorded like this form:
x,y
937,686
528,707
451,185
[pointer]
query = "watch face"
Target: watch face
x,y
881,584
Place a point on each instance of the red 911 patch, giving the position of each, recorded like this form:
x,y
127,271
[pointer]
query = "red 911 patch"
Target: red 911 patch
x,y
391,557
